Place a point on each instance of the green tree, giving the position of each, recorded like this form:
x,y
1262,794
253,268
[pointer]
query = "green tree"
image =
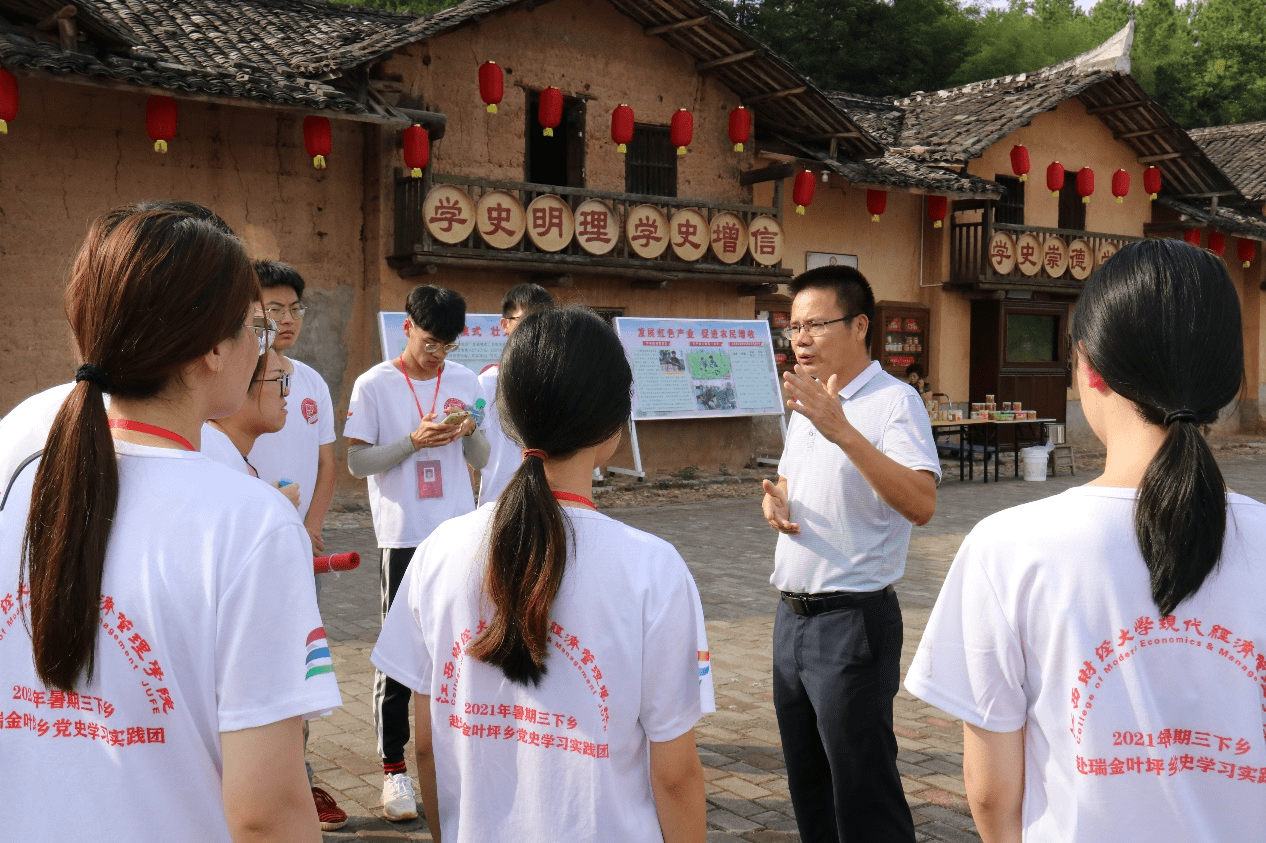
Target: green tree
x,y
1226,74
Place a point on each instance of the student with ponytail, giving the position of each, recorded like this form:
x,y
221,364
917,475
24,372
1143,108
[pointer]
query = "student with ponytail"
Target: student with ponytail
x,y
157,622
558,656
1104,647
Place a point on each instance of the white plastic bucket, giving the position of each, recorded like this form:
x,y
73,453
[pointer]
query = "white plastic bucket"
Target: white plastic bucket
x,y
1034,463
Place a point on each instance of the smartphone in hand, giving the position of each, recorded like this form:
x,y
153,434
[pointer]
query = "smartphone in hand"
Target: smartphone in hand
x,y
456,417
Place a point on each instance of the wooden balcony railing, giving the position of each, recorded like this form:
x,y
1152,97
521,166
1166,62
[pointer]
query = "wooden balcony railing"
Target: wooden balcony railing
x,y
417,251
970,263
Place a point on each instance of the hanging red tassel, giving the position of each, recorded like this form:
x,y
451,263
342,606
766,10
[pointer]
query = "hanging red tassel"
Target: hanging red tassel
x,y
740,127
682,130
316,139
802,193
492,85
622,127
417,150
160,121
550,112
937,208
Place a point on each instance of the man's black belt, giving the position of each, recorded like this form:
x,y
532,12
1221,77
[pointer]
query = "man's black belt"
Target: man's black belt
x,y
816,604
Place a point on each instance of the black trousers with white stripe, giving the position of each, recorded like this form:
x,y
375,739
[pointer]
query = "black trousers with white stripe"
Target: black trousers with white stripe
x,y
391,699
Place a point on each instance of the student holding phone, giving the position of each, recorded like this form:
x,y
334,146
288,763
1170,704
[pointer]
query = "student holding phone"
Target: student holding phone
x,y
406,433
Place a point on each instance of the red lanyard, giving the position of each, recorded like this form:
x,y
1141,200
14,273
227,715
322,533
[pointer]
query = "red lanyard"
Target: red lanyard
x,y
142,427
568,496
409,381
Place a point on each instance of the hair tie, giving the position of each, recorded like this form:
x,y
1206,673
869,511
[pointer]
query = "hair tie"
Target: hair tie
x,y
1179,416
535,452
94,375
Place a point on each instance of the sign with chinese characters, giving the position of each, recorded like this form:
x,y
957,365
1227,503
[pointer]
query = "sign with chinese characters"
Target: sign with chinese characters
x,y
700,368
728,236
500,219
1081,260
1028,253
1054,256
550,223
765,240
1002,252
688,234
647,231
1106,250
449,214
597,228
479,346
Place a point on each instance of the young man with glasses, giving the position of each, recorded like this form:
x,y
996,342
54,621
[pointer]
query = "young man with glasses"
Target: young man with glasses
x,y
859,467
398,438
504,454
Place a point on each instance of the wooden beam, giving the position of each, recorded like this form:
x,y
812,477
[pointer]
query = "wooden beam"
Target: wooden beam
x,y
756,289
688,23
50,23
1138,133
1164,156
764,174
773,95
834,136
1118,106
651,284
705,66
1207,195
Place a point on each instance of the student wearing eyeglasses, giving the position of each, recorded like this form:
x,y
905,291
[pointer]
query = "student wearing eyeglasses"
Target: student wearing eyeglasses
x,y
411,430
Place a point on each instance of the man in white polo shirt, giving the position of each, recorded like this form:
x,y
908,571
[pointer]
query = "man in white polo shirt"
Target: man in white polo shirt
x,y
416,465
504,454
859,467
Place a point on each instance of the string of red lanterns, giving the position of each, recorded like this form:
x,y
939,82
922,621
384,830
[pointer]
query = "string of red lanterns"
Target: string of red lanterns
x,y
1245,250
802,191
1217,243
1151,182
1192,236
549,111
8,99
1055,177
1085,184
1020,161
876,203
622,127
316,139
681,131
492,86
1120,185
740,127
161,114
937,208
417,150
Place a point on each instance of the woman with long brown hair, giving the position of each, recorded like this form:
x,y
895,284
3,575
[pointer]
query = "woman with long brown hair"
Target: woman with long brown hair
x,y
164,652
558,656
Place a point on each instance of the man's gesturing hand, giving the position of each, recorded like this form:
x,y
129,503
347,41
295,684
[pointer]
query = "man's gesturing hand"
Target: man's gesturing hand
x,y
776,509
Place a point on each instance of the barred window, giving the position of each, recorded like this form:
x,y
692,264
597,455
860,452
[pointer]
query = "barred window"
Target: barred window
x,y
650,166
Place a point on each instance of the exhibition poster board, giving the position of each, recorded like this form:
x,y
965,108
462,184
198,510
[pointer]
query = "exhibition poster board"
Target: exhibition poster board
x,y
479,346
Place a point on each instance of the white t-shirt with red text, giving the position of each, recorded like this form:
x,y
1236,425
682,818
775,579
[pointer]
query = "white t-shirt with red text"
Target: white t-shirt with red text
x,y
1136,726
627,664
209,624
431,486
293,452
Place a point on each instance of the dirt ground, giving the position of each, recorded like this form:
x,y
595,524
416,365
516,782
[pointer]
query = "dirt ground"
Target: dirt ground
x,y
692,485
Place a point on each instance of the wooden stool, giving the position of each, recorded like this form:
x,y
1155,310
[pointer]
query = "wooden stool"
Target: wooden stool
x,y
1062,453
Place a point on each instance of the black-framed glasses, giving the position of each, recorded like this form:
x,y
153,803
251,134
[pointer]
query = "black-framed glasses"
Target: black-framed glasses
x,y
278,312
265,332
284,380
815,329
436,348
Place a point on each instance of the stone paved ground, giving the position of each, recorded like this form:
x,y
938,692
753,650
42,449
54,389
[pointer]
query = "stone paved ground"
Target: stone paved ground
x,y
729,549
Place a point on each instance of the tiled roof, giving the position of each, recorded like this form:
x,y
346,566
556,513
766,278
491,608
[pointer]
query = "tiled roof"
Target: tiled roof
x,y
279,51
1240,150
1229,220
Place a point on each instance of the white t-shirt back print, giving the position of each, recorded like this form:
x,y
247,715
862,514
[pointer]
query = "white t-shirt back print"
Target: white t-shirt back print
x,y
627,663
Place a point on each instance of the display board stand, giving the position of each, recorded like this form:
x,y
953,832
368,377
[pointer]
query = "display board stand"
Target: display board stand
x,y
636,470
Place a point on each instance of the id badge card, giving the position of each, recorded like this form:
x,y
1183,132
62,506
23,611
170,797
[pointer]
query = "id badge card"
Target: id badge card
x,y
430,480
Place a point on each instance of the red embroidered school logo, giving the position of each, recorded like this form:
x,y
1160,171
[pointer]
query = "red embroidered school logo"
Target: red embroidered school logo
x,y
453,405
309,410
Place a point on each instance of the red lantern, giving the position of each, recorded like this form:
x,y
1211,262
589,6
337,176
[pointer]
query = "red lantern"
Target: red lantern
x,y
316,139
1152,181
417,150
740,127
492,85
937,206
1245,250
1085,183
160,121
8,100
802,194
682,130
622,127
1217,243
550,111
1192,236
1020,161
1120,185
876,203
1055,177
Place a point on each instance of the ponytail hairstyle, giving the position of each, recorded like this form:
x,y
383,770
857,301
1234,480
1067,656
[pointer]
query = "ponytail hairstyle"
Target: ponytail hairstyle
x,y
1160,322
149,293
564,385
